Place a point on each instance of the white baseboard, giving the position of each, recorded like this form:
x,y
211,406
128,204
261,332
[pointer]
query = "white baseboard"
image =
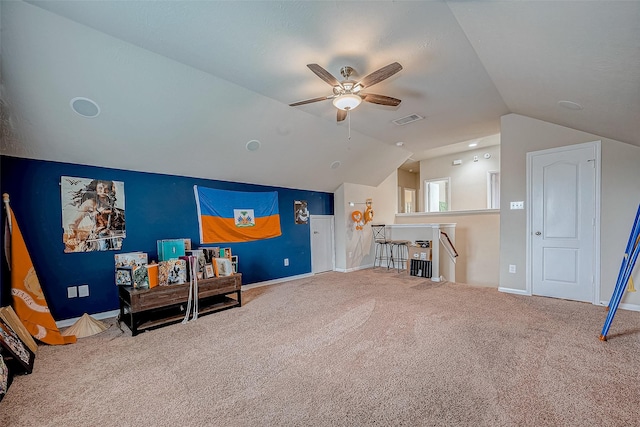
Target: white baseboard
x,y
98,316
113,313
623,305
514,291
276,281
631,307
349,270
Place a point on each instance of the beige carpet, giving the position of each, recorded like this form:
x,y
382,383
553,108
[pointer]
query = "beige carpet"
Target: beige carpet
x,y
359,349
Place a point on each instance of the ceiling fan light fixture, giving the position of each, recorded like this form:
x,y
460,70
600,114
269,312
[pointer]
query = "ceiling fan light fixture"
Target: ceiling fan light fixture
x,y
346,93
347,101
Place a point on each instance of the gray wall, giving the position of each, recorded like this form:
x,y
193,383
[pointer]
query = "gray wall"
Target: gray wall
x,y
620,195
354,248
476,240
408,180
468,180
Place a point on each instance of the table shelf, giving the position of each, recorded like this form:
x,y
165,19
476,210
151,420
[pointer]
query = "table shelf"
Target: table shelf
x,y
143,309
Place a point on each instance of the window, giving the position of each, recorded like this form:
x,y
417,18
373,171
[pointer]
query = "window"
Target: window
x,y
437,195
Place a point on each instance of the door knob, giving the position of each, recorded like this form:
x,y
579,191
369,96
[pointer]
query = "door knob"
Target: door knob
x,y
538,233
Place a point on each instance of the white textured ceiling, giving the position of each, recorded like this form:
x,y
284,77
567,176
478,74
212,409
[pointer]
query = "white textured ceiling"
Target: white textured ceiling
x,y
183,85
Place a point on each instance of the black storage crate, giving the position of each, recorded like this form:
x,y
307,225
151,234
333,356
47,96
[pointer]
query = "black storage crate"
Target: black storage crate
x,y
420,268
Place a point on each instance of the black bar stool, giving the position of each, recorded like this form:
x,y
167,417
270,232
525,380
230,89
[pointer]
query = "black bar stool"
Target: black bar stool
x,y
401,250
383,249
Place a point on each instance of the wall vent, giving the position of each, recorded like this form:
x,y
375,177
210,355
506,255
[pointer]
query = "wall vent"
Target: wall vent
x,y
408,119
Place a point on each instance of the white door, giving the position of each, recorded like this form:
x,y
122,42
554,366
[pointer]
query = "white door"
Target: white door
x,y
562,212
322,248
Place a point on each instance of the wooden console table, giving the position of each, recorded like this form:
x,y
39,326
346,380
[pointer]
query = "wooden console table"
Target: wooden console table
x,y
142,309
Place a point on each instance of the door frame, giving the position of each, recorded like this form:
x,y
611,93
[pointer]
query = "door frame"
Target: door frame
x,y
426,194
595,291
333,242
492,191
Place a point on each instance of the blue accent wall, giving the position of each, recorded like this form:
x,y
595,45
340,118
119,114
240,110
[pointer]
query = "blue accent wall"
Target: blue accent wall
x,y
157,207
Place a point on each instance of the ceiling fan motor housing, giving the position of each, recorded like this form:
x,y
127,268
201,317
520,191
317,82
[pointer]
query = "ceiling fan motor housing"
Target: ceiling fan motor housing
x,y
347,86
346,71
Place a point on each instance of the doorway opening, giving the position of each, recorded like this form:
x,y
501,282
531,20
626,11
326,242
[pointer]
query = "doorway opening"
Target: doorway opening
x,y
437,195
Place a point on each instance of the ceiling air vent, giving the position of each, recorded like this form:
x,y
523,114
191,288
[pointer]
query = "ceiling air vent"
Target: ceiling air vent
x,y
404,120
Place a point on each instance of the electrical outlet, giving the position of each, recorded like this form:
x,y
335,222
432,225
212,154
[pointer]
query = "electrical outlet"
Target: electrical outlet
x,y
512,268
72,292
83,290
517,205
286,262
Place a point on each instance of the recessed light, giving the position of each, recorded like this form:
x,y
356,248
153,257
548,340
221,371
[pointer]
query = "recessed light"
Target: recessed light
x,y
399,143
85,107
253,145
570,105
336,164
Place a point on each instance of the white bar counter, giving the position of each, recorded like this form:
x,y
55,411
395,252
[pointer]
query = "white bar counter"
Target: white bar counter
x,y
442,265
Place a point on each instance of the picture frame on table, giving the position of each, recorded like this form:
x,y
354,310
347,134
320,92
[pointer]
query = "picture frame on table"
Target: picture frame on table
x,y
209,272
124,276
210,254
223,267
15,348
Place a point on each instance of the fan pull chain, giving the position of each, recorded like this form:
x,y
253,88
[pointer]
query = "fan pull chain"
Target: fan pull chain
x,y
349,122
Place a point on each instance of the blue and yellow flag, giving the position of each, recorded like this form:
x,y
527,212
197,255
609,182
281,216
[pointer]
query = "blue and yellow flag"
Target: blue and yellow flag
x,y
236,216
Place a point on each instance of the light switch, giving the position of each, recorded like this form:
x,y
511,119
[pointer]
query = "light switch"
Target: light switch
x,y
83,290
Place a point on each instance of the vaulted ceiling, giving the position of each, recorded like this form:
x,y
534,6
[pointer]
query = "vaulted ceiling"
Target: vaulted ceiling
x,y
183,86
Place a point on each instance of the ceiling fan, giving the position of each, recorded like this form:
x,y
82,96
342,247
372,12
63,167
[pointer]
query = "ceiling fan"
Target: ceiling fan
x,y
347,94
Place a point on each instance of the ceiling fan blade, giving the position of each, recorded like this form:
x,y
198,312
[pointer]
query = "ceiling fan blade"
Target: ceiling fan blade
x,y
324,74
342,114
309,101
380,75
380,99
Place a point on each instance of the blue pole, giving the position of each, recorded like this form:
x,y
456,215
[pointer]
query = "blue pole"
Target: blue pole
x,y
613,305
626,268
620,285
